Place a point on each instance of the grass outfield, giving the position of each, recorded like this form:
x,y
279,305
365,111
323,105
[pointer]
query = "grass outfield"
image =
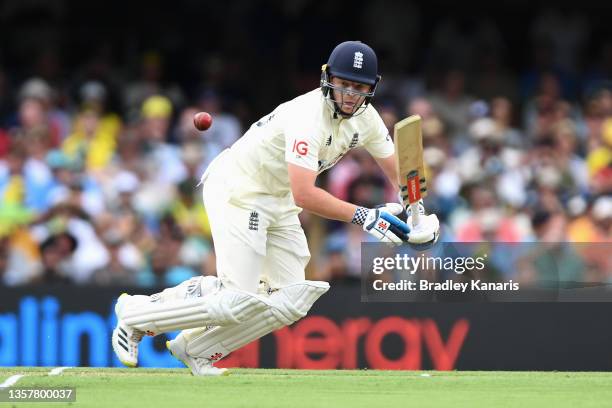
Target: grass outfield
x,y
114,388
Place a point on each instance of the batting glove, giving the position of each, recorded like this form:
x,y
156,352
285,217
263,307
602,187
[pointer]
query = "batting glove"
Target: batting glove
x,y
382,223
426,232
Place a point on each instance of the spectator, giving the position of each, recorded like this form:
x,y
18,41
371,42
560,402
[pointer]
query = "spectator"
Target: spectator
x,y
35,121
452,104
71,185
4,255
124,264
24,181
151,82
93,141
341,261
79,261
599,161
573,167
162,160
166,268
556,262
189,213
56,254
486,221
602,216
20,260
501,113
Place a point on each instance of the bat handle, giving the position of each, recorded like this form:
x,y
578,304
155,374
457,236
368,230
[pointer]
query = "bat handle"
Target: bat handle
x,y
414,211
413,190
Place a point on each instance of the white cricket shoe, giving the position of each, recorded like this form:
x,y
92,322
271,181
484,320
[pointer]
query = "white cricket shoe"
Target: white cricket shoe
x,y
198,365
125,338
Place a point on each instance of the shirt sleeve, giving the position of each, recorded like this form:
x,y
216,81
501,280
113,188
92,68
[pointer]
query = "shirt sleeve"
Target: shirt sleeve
x,y
302,143
379,143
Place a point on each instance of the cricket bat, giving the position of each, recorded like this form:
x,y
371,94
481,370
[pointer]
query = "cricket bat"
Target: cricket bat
x,y
409,151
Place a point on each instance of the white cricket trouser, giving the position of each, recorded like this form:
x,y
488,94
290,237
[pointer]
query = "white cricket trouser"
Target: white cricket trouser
x,y
252,242
258,241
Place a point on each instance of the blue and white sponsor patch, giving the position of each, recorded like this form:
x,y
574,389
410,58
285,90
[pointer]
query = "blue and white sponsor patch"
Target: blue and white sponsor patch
x,y
391,219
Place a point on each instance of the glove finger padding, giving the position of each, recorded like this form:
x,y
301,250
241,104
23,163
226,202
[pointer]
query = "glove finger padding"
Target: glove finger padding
x,y
393,208
426,231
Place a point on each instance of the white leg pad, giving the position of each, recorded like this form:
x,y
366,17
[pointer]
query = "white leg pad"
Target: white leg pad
x,y
198,286
287,305
224,307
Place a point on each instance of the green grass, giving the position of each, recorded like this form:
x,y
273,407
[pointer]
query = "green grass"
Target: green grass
x,y
172,388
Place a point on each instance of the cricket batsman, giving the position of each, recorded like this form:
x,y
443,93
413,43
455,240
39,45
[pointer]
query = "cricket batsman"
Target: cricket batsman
x,y
253,193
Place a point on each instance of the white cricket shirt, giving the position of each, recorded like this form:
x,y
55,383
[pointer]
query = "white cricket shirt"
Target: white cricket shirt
x,y
303,132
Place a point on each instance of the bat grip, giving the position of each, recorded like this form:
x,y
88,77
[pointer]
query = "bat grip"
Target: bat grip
x,y
414,195
414,211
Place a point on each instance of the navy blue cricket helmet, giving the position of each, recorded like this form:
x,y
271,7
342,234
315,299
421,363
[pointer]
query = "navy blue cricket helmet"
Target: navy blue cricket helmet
x,y
353,61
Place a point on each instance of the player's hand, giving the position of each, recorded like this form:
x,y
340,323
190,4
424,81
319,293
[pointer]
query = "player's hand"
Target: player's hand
x,y
382,223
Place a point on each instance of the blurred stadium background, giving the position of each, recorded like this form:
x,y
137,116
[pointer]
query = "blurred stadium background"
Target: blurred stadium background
x,y
99,160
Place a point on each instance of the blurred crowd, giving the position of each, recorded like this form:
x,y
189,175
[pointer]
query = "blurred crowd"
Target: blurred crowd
x,y
100,193
90,197
548,180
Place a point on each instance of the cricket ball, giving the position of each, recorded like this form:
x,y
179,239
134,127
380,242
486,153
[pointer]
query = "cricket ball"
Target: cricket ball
x,y
202,120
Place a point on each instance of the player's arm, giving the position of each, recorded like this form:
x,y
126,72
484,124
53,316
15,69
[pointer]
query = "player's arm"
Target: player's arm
x,y
380,222
381,147
301,156
379,144
314,199
389,167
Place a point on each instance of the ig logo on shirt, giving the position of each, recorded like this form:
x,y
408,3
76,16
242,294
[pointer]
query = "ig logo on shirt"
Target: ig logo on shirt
x,y
300,147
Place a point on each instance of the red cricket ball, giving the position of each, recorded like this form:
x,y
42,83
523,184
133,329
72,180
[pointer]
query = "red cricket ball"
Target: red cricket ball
x,y
202,120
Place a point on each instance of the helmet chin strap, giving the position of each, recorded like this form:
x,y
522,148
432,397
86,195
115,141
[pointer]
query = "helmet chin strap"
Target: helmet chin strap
x,y
337,109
